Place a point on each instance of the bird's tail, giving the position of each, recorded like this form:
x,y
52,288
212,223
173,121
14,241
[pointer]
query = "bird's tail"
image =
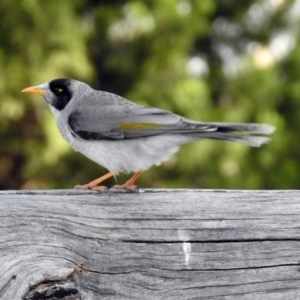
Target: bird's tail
x,y
250,134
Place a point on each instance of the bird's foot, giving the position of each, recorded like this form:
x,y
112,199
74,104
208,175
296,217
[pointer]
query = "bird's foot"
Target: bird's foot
x,y
128,187
98,188
93,185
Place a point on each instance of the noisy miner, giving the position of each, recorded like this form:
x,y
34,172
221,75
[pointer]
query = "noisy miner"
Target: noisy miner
x,y
126,137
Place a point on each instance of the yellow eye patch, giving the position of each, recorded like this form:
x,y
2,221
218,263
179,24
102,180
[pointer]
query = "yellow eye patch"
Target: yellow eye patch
x,y
60,90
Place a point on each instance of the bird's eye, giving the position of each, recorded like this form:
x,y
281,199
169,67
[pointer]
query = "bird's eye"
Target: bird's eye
x,y
58,91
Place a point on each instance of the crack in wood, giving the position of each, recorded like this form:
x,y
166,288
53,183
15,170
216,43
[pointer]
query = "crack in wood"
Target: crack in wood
x,y
229,241
66,289
53,290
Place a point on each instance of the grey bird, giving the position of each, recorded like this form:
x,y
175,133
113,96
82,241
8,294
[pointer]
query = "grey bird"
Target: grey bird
x,y
123,136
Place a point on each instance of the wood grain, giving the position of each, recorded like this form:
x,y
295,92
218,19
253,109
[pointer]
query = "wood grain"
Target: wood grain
x,y
158,244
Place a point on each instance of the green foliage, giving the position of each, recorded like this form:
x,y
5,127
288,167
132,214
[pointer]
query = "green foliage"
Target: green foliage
x,y
206,60
39,41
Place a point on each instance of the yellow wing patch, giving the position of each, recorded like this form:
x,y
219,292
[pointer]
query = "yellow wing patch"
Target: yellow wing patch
x,y
139,126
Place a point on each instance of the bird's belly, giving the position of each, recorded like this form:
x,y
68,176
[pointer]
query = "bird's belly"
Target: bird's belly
x,y
128,155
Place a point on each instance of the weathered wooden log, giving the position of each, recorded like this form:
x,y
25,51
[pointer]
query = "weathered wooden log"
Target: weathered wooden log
x,y
158,244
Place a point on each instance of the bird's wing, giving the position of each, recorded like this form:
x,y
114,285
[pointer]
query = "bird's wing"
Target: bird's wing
x,y
115,118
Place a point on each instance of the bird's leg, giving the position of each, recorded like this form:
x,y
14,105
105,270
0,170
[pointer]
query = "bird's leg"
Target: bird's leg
x,y
93,185
129,185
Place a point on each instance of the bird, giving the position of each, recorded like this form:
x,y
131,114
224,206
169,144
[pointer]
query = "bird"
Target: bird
x,y
125,137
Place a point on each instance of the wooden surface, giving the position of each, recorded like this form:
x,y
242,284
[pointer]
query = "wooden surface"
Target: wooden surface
x,y
158,244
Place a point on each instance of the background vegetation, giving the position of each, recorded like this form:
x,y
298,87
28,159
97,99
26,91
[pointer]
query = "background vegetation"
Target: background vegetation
x,y
208,60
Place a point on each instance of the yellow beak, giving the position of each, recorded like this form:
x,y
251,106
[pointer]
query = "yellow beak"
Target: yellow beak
x,y
34,90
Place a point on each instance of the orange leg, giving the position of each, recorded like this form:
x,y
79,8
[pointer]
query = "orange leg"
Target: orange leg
x,y
129,185
93,185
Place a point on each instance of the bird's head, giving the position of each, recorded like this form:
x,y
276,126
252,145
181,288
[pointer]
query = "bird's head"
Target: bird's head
x,y
57,93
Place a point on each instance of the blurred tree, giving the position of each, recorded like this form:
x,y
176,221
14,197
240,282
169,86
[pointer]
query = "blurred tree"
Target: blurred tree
x,y
38,41
207,60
